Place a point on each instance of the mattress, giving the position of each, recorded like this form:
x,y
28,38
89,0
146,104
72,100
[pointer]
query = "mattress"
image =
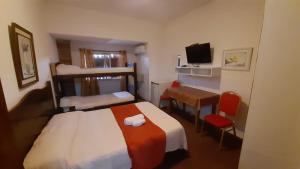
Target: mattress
x,y
93,140
86,102
63,69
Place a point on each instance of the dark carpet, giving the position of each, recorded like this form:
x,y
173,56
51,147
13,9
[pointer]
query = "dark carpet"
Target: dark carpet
x,y
203,149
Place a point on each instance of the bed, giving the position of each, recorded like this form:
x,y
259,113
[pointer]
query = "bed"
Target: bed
x,y
63,74
93,140
91,102
87,140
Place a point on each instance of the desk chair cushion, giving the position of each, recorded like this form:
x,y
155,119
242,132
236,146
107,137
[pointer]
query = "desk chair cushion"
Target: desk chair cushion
x,y
218,121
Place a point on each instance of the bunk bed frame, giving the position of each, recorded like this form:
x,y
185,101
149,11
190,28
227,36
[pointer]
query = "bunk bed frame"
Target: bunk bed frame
x,y
58,80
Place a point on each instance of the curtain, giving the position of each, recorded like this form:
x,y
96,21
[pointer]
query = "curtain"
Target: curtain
x,y
64,56
121,63
89,86
122,59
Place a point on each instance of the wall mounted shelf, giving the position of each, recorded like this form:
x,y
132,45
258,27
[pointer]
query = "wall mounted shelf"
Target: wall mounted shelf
x,y
203,71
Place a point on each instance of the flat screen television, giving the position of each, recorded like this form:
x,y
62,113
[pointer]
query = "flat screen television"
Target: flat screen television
x,y
198,53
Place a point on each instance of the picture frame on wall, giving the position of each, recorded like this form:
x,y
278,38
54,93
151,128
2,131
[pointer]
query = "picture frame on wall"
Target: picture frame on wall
x,y
23,55
237,59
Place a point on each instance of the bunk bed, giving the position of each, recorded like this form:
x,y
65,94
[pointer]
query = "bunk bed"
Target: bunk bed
x,y
62,73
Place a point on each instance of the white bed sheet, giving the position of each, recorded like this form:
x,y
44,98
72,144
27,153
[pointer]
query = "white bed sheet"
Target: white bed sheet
x,y
93,140
63,69
85,102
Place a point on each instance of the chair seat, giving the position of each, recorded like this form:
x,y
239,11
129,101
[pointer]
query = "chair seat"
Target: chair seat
x,y
165,97
218,121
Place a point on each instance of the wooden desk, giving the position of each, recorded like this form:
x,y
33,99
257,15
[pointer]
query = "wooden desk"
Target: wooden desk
x,y
195,98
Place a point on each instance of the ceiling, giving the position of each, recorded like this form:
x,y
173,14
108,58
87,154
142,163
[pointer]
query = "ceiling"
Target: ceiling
x,y
152,10
99,41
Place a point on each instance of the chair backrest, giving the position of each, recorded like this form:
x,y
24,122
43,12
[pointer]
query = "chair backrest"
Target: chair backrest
x,y
229,103
175,84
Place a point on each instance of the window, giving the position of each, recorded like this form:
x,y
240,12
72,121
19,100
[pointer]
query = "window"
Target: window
x,y
106,59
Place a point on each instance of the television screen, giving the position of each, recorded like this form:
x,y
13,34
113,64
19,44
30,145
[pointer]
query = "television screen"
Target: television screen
x,y
198,53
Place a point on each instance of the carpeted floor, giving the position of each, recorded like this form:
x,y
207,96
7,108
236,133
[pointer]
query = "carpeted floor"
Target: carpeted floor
x,y
203,152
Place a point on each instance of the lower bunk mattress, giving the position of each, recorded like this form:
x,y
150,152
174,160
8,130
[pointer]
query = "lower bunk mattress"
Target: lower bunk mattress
x,y
88,102
94,140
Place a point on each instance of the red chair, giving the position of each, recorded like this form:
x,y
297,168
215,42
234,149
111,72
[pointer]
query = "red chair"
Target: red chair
x,y
165,96
229,104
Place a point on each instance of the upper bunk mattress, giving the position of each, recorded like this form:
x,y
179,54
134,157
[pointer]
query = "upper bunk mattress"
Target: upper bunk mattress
x,y
94,140
87,102
63,69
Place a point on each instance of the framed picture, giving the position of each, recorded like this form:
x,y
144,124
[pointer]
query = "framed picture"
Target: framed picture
x,y
237,59
23,55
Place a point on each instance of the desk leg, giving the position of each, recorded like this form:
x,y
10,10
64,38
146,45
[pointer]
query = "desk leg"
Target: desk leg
x,y
214,108
183,107
197,114
170,106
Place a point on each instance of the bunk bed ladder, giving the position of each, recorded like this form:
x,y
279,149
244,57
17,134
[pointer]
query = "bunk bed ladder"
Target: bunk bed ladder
x,y
135,83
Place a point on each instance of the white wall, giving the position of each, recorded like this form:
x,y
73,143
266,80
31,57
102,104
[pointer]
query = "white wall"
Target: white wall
x,y
226,24
272,137
28,15
67,20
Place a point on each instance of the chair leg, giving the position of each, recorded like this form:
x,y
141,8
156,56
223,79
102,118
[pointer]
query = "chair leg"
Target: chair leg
x,y
170,107
233,128
197,114
176,103
202,127
221,140
159,103
183,107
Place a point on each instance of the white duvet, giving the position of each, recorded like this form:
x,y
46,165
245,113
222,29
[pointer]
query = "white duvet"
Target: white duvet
x,y
63,69
93,140
86,102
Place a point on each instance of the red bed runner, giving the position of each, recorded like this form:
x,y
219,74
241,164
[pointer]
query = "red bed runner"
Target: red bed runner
x,y
146,144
